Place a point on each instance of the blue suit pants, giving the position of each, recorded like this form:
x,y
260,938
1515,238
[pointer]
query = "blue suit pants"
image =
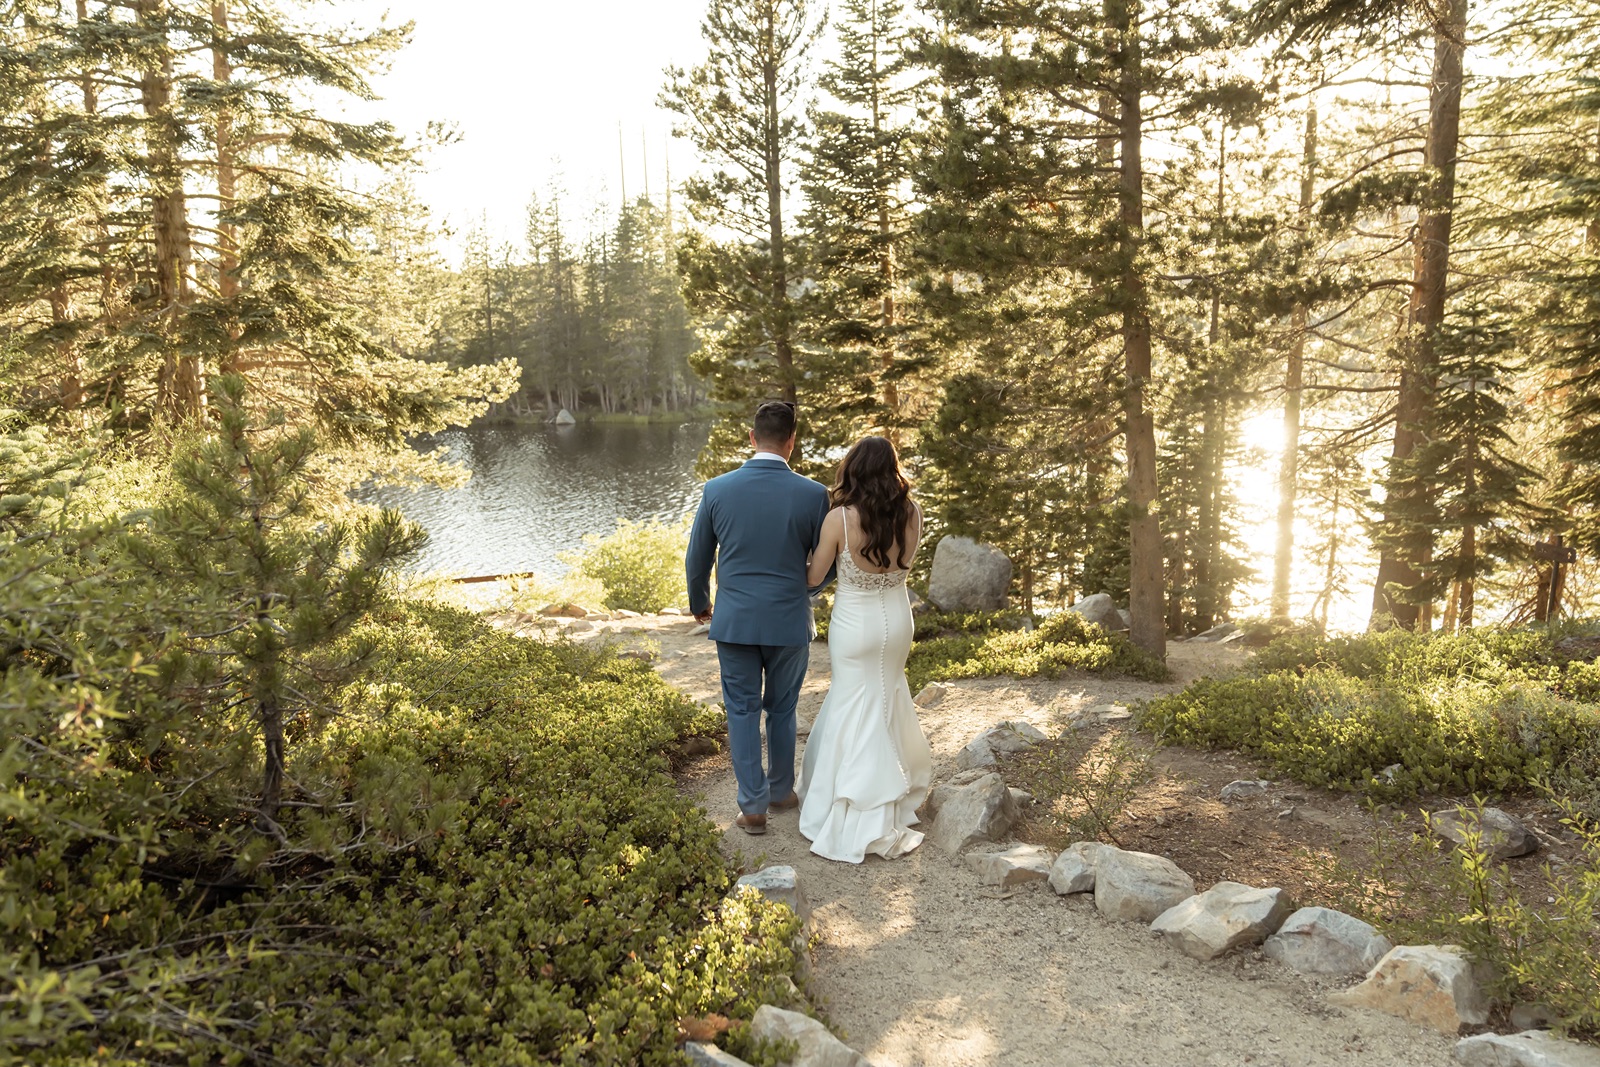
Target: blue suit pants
x,y
757,679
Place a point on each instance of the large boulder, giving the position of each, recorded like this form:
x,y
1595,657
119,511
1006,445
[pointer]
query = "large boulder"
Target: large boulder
x,y
780,883
1500,836
1073,870
1324,941
1534,1048
1138,886
818,1048
971,814
1013,866
1430,985
968,576
702,1055
1101,610
1225,917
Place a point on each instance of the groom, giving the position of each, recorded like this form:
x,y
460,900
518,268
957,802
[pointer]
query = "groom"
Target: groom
x,y
759,523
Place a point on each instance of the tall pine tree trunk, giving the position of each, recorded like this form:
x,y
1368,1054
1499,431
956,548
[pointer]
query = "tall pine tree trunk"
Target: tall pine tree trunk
x,y
181,388
1144,550
1429,290
782,346
1213,435
227,179
886,263
1293,380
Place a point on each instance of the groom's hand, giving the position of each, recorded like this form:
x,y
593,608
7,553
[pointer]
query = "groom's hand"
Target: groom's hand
x,y
704,616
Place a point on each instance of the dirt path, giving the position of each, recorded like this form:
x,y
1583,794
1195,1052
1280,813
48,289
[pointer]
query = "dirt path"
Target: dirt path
x,y
917,964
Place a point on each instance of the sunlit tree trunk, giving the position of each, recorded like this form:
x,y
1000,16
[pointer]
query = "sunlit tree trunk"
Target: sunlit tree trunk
x,y
1146,594
181,386
1429,288
1293,380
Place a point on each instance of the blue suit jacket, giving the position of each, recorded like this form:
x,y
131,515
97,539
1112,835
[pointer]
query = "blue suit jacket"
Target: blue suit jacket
x,y
758,523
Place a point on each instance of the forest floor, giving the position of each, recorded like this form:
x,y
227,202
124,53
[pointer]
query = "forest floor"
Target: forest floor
x,y
915,963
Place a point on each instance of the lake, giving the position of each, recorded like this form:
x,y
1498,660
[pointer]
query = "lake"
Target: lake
x,y
536,491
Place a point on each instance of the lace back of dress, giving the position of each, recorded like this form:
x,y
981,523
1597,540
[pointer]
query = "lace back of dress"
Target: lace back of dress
x,y
851,574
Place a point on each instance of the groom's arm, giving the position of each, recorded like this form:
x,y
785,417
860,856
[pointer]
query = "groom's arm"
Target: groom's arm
x,y
699,559
833,568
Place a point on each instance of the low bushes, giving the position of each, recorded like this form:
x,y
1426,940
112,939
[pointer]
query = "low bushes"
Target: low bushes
x,y
255,812
986,647
640,565
1396,714
551,899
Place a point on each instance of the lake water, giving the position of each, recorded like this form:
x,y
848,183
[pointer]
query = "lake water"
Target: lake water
x,y
536,491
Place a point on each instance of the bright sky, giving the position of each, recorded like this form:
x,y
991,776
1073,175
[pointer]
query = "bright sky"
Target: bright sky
x,y
536,89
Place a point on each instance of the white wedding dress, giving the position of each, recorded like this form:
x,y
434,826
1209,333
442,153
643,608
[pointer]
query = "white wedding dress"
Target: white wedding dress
x,y
867,766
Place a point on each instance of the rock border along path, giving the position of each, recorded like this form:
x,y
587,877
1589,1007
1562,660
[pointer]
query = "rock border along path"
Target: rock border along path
x,y
918,964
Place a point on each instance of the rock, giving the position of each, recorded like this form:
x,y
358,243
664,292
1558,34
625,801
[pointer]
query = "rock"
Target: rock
x,y
624,613
580,626
703,628
1525,1016
1225,917
1533,1048
1099,609
970,814
945,790
1014,866
932,694
1500,836
567,611
1430,985
978,754
1126,618
1073,870
1216,633
1314,816
968,576
1138,886
779,883
1228,639
1104,713
1324,941
1244,787
673,611
1020,797
680,654
698,746
643,655
564,418
1003,737
918,605
818,1048
710,1056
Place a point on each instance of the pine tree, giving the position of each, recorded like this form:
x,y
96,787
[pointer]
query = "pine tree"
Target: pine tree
x,y
276,586
742,111
196,223
1477,511
858,227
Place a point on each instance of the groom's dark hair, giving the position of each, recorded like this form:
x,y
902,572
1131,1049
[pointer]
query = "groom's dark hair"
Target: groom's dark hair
x,y
774,422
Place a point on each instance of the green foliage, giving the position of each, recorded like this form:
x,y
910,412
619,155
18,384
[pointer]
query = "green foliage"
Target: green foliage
x,y
1541,946
1394,713
479,857
1084,780
1062,642
640,565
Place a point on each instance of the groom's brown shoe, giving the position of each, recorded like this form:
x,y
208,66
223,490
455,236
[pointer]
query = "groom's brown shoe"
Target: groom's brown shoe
x,y
791,801
752,824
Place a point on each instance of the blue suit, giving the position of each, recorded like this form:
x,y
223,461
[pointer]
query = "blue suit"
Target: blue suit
x,y
758,523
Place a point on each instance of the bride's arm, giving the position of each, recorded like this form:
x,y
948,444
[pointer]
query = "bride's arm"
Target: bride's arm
x,y
827,550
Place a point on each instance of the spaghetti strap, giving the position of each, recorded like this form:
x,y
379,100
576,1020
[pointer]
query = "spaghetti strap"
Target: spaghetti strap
x,y
844,517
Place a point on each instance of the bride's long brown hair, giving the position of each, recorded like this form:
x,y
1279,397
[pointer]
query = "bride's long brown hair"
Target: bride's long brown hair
x,y
870,481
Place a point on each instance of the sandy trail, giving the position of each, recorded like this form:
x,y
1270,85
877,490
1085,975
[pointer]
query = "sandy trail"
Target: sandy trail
x,y
917,964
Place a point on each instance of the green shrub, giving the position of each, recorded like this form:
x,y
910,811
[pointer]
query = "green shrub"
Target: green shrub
x,y
1064,641
1540,946
1396,713
640,565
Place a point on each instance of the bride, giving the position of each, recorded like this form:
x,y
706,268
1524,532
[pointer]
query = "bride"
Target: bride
x,y
867,765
